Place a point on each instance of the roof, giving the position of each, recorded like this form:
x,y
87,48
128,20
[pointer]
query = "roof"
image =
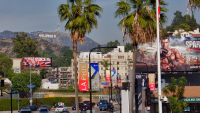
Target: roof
x,y
170,32
190,91
195,35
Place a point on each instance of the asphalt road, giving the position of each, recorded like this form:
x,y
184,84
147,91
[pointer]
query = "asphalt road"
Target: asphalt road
x,y
96,108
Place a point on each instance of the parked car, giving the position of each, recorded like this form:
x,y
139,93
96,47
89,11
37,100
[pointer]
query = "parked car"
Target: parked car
x,y
33,107
100,102
25,110
83,111
88,103
65,111
44,110
106,106
47,106
85,107
74,106
61,108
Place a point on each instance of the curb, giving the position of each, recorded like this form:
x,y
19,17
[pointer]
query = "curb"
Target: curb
x,y
67,108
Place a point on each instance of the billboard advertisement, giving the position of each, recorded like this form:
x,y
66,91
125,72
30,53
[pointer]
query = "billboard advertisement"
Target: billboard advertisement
x,y
176,54
152,82
107,75
37,62
95,76
83,76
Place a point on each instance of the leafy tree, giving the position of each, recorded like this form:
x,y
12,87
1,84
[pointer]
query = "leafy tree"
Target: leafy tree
x,y
115,43
43,72
21,80
24,46
192,5
105,64
140,24
185,26
128,47
6,64
164,32
81,18
174,93
99,50
178,19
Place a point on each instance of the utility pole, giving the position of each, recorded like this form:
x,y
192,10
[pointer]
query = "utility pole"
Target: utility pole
x,y
30,87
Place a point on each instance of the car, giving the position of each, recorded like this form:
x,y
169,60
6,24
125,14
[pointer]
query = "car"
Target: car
x,y
88,103
47,106
25,110
60,108
106,106
33,107
83,111
65,111
44,110
100,102
74,106
85,107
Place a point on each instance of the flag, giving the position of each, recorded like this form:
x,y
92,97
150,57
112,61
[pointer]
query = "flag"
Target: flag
x,y
159,10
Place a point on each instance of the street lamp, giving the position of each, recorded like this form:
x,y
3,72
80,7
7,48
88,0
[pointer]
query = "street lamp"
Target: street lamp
x,y
90,74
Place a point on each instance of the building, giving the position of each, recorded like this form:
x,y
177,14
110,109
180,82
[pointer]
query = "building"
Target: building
x,y
184,33
119,60
61,75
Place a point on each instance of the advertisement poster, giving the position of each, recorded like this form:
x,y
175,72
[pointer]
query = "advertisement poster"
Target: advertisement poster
x,y
95,76
152,81
83,76
144,79
176,54
118,78
107,75
37,62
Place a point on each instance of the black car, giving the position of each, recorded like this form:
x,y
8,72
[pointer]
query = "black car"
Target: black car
x,y
47,106
65,111
33,107
85,107
25,110
74,106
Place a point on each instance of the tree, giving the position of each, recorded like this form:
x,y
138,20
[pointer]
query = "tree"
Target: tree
x,y
192,5
174,93
140,24
105,64
81,18
24,46
128,47
178,19
21,80
6,64
115,43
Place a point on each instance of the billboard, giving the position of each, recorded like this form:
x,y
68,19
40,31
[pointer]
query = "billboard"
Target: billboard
x,y
176,54
95,76
37,62
152,82
107,75
83,76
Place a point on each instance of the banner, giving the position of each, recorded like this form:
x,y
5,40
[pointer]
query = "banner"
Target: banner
x,y
152,81
37,62
118,79
83,76
107,75
176,54
95,76
144,78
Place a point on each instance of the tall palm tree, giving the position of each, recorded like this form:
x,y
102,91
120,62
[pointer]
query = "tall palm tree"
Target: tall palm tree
x,y
140,24
81,18
192,5
105,64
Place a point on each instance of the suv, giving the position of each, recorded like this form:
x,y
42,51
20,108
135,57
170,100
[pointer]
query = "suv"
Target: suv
x,y
88,103
101,101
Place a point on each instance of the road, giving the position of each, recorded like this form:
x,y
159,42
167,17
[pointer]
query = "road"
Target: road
x,y
96,108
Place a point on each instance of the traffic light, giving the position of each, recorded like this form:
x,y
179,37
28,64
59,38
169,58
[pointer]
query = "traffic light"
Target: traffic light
x,y
148,96
2,83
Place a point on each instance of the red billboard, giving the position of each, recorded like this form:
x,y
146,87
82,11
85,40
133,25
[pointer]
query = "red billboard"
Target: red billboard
x,y
107,75
83,76
176,54
37,62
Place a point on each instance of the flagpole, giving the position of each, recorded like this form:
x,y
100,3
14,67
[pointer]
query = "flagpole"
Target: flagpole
x,y
158,57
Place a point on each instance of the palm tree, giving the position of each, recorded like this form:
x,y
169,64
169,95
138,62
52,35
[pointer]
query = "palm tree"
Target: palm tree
x,y
140,24
105,64
192,5
81,18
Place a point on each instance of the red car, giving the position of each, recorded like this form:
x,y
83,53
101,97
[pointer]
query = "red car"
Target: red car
x,y
88,103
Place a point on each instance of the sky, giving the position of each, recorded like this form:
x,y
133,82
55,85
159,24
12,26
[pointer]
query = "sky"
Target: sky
x,y
41,15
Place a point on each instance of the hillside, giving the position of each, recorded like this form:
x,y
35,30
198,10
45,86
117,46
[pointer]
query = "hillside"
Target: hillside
x,y
59,38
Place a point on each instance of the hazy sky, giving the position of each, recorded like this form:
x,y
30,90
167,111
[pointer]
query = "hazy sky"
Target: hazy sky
x,y
41,15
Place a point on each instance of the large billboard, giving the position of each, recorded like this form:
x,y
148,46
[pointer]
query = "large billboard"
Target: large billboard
x,y
176,54
37,62
83,76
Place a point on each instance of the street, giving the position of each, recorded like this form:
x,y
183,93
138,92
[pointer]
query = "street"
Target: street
x,y
96,108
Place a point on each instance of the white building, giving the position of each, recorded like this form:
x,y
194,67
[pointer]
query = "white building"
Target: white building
x,y
194,33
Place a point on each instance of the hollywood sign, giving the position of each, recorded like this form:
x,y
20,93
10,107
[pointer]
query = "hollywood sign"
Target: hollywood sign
x,y
47,35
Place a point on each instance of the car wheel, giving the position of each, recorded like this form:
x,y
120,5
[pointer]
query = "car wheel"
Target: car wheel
x,y
100,110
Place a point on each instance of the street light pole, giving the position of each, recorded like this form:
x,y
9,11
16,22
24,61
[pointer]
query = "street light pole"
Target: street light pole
x,y
111,79
90,74
30,87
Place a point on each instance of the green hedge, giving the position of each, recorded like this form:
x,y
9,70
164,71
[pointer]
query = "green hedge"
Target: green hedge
x,y
65,90
5,103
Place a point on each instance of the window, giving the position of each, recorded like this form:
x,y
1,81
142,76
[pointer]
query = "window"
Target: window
x,y
101,74
86,56
101,68
117,68
120,57
117,62
125,68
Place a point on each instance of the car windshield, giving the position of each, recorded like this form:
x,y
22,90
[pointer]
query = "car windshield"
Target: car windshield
x,y
86,101
60,106
43,106
43,110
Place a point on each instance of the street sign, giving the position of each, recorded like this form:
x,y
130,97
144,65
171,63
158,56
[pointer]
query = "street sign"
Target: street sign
x,y
31,86
106,83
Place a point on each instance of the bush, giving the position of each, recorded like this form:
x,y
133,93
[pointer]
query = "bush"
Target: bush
x,y
6,102
65,90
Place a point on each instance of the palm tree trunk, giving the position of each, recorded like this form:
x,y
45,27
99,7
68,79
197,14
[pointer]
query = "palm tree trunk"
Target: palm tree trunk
x,y
133,76
75,75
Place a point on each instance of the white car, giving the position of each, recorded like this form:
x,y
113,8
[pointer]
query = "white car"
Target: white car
x,y
60,108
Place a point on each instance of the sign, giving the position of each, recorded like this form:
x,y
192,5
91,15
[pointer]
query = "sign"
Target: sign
x,y
37,62
189,99
31,86
148,108
83,76
152,81
144,79
138,76
107,75
177,54
95,76
118,79
106,83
